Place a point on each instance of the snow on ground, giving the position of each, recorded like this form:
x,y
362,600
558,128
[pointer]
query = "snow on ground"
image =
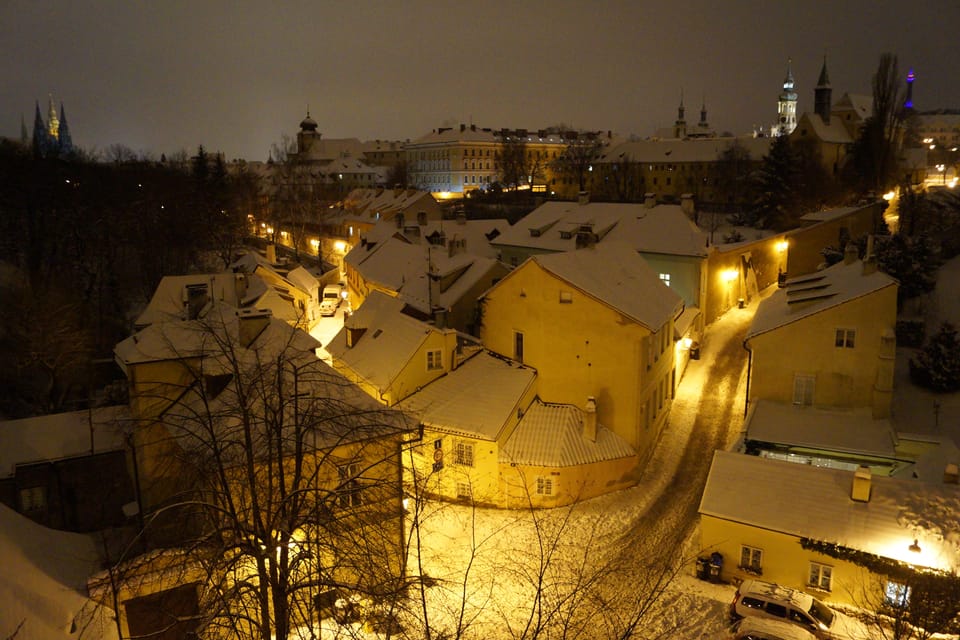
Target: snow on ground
x,y
490,557
44,583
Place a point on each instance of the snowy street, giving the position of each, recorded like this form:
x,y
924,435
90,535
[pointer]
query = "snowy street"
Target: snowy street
x,y
490,558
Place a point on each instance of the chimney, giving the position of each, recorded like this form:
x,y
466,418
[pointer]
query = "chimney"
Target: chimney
x,y
271,253
951,475
251,323
463,127
240,282
353,335
590,419
850,253
860,491
583,198
649,200
461,217
686,204
399,219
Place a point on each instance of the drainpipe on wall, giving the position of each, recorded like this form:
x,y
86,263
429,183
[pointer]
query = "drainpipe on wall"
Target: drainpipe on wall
x,y
746,400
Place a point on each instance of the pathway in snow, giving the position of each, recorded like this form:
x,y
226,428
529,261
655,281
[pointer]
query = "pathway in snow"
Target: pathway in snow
x,y
656,517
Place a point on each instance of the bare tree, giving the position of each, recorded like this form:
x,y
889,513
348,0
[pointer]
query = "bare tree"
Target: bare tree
x,y
576,161
875,152
272,481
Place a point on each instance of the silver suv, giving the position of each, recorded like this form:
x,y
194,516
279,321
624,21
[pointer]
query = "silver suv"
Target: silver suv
x,y
768,600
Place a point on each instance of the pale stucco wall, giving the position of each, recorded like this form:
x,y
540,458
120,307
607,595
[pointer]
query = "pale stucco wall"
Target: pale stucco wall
x,y
845,377
784,560
581,347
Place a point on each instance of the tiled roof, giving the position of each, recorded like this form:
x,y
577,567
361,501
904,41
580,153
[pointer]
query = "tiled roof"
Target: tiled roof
x,y
807,295
815,502
617,276
476,399
685,150
553,226
551,435
390,341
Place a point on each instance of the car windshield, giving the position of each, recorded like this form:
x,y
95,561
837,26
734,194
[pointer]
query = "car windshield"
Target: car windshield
x,y
822,613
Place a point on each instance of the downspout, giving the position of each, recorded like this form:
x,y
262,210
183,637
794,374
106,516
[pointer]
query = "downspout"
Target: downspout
x,y
746,400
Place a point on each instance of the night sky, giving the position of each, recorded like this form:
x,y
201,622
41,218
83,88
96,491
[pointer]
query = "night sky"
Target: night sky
x,y
233,76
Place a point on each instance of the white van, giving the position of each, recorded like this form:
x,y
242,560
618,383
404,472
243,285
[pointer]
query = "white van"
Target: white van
x,y
755,628
330,300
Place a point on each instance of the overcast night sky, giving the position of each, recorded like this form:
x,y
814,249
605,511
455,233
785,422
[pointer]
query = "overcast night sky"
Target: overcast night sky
x,y
234,76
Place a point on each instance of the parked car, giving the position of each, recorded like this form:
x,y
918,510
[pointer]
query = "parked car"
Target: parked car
x,y
757,628
756,598
331,298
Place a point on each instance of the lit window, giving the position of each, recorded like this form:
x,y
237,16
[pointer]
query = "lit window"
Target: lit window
x,y
665,278
821,576
349,489
896,594
544,486
434,360
751,559
464,454
845,338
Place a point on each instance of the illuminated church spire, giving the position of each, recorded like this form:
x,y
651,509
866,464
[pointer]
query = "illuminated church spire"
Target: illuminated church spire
x,y
53,123
787,105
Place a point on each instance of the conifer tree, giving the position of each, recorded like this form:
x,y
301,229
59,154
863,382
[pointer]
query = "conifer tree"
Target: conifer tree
x,y
937,366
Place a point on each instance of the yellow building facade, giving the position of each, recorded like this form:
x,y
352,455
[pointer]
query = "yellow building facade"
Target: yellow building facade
x,y
582,346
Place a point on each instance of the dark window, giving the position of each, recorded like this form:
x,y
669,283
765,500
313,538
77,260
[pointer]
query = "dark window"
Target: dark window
x,y
518,346
776,610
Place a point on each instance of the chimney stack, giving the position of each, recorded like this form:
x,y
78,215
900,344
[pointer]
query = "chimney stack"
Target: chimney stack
x,y
583,198
271,253
590,419
649,200
860,491
686,204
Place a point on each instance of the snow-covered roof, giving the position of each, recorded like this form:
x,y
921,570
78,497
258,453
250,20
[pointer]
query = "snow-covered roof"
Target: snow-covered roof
x,y
859,103
167,302
390,341
477,234
551,435
180,339
45,575
303,279
815,502
829,214
62,435
617,276
807,295
848,431
554,226
476,399
834,132
398,265
386,202
685,150
331,148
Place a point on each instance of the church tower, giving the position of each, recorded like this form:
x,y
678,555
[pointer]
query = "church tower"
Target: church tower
x,y
787,105
822,95
307,136
680,126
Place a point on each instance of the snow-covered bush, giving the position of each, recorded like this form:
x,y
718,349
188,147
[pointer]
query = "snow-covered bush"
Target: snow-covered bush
x,y
937,366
